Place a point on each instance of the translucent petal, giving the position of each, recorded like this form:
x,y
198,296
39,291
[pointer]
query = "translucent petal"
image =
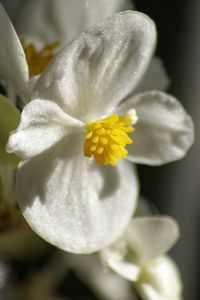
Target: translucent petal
x,y
13,66
100,68
42,125
150,237
72,202
164,131
63,20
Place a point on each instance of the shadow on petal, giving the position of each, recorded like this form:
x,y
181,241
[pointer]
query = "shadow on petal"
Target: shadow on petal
x,y
41,167
111,180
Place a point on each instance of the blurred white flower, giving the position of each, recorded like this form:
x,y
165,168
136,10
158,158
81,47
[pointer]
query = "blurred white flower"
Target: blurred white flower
x,y
13,66
68,199
42,27
139,256
48,21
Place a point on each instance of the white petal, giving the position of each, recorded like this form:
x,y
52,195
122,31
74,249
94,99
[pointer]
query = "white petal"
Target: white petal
x,y
161,281
144,239
100,68
72,202
155,78
115,257
63,20
42,125
118,263
164,131
106,284
150,237
13,66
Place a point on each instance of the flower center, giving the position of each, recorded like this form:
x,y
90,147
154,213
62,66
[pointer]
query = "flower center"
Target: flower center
x,y
107,138
38,59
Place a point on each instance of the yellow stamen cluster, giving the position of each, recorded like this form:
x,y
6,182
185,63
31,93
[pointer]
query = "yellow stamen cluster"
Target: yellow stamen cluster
x,y
36,59
107,138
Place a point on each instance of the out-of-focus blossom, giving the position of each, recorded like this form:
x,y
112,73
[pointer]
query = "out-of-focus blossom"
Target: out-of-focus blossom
x,y
43,26
13,65
139,256
68,199
20,67
47,21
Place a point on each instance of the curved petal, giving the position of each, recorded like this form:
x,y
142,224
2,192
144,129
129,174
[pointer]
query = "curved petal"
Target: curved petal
x,y
155,78
115,258
42,125
164,131
13,66
100,68
48,21
72,202
161,281
150,237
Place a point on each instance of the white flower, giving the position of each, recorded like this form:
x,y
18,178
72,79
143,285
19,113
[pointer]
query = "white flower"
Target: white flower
x,y
67,198
63,20
139,256
13,66
58,22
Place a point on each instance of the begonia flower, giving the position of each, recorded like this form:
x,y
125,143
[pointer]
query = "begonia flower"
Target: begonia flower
x,y
45,22
20,64
43,26
77,127
140,256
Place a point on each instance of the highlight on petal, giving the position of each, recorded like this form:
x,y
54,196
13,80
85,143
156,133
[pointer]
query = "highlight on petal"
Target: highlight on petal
x,y
101,67
42,125
164,131
63,20
160,281
73,203
13,66
150,237
155,78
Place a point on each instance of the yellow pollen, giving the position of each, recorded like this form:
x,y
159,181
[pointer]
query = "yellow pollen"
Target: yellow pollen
x,y
107,138
38,59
